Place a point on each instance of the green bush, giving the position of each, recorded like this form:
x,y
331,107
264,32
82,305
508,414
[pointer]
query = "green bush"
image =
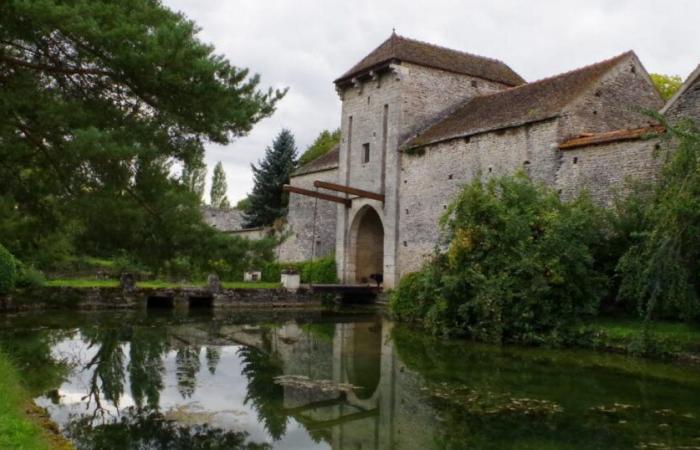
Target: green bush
x,y
29,277
8,270
319,271
517,266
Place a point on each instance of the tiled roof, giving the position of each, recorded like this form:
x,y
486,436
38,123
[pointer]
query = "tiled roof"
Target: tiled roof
x,y
611,136
323,162
531,102
399,48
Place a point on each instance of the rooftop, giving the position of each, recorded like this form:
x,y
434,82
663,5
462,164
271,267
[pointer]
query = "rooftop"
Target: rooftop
x,y
398,48
531,102
323,162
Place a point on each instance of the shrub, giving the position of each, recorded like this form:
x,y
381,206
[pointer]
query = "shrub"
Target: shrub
x,y
8,270
28,277
517,266
319,271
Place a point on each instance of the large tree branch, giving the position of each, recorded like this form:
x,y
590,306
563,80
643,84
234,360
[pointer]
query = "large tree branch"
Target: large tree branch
x,y
48,68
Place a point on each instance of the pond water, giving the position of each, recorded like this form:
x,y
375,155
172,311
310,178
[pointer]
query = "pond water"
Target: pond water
x,y
347,379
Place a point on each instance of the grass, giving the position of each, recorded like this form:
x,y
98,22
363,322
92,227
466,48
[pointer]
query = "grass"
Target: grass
x,y
17,428
157,284
675,337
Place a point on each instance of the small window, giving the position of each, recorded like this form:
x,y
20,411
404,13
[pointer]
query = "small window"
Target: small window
x,y
575,160
365,153
475,83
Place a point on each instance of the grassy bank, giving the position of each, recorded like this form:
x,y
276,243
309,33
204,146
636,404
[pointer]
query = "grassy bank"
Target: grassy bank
x,y
89,283
22,425
660,339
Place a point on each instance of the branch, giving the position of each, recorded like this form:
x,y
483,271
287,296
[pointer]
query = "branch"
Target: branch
x,y
53,69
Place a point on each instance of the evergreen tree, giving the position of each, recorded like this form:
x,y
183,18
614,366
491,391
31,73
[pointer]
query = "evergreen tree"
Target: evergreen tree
x,y
219,187
98,100
194,177
267,201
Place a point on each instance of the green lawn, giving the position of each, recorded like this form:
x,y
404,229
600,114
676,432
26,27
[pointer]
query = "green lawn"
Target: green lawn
x,y
17,430
677,336
86,283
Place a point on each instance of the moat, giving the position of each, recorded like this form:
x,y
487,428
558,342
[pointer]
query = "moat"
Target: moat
x,y
343,379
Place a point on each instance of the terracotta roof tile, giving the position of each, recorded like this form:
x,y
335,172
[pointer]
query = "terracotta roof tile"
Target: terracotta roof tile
x,y
611,136
531,102
399,48
323,162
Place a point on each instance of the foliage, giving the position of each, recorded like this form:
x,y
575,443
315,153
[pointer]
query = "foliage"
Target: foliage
x,y
519,266
99,101
267,201
318,271
667,85
218,188
244,204
660,270
8,270
193,176
323,144
29,277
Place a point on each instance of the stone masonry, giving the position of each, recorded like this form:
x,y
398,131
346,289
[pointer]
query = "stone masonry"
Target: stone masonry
x,y
419,121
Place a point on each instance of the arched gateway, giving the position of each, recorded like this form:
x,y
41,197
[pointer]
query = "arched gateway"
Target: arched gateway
x,y
366,255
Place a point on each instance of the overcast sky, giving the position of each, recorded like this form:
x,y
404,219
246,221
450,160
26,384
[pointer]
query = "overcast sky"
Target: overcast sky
x,y
306,44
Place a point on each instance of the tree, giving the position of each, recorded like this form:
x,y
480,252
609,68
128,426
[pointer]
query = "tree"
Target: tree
x,y
267,201
519,266
244,204
660,271
219,187
323,144
98,100
194,177
667,85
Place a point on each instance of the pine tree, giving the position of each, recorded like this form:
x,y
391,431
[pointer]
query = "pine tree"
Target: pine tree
x,y
267,201
194,177
218,188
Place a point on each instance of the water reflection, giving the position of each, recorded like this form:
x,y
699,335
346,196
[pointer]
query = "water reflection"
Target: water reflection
x,y
316,380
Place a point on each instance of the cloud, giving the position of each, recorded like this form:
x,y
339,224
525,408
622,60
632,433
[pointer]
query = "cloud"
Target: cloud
x,y
306,44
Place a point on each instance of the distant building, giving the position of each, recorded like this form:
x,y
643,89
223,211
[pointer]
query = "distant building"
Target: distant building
x,y
419,121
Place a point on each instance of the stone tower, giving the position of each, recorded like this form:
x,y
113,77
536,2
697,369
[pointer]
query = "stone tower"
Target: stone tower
x,y
391,94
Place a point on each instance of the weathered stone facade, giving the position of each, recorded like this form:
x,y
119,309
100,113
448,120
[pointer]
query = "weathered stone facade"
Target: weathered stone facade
x,y
416,129
225,220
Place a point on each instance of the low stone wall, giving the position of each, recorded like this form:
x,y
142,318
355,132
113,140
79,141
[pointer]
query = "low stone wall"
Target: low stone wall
x,y
45,298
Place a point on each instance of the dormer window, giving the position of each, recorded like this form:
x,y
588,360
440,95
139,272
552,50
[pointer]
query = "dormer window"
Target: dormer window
x,y
365,153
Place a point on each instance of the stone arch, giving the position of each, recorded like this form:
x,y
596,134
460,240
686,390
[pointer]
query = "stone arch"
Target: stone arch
x,y
366,246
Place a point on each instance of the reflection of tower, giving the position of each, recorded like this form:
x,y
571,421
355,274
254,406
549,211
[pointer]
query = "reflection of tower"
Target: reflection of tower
x,y
363,357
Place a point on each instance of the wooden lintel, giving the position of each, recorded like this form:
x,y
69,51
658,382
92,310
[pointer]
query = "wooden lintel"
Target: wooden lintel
x,y
330,198
349,190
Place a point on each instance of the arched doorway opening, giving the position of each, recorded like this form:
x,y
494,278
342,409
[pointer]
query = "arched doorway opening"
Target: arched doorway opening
x,y
367,245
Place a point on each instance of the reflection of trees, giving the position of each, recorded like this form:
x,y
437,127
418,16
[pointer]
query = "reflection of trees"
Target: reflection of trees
x,y
267,397
188,364
148,347
136,430
107,364
213,356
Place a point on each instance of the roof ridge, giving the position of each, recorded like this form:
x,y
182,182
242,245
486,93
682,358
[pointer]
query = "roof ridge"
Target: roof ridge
x,y
430,44
554,77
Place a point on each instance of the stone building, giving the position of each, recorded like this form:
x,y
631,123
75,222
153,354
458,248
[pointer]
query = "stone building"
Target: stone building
x,y
419,121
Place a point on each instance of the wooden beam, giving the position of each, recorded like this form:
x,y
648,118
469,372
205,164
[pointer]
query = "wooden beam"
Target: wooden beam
x,y
308,193
349,190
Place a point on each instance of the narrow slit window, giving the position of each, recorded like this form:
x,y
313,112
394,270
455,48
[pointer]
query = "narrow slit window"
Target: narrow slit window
x,y
365,153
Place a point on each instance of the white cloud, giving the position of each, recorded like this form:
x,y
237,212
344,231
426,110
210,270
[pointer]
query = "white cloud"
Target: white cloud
x,y
306,44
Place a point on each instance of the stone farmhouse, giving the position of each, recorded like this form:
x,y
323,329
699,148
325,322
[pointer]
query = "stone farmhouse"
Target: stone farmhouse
x,y
419,121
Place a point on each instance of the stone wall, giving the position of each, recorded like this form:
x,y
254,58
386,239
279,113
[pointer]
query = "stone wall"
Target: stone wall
x,y
299,244
617,101
223,219
430,180
604,170
687,105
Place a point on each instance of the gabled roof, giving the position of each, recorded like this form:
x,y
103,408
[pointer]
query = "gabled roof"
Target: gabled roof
x,y
611,136
692,79
327,161
398,48
531,102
